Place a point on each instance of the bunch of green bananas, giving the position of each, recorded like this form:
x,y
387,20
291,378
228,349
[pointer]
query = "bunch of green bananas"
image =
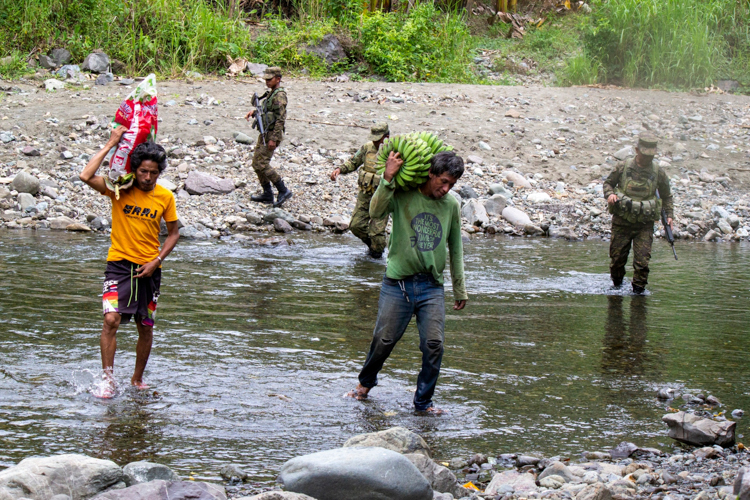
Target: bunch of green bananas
x,y
416,149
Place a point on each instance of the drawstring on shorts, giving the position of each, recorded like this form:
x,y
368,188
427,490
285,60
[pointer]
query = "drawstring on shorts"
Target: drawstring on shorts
x,y
403,289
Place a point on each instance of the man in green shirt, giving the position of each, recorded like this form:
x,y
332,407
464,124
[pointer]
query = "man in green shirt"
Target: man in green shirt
x,y
426,224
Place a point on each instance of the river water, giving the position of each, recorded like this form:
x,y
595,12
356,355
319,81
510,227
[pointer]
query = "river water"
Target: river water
x,y
255,346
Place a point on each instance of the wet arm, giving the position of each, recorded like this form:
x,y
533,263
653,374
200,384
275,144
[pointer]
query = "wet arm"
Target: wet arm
x,y
456,251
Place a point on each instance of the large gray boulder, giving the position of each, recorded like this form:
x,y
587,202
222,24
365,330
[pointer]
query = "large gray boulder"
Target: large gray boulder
x,y
495,205
278,495
328,48
441,478
355,474
742,484
474,212
61,56
398,439
278,213
167,490
26,201
24,182
143,472
256,69
698,431
511,481
557,469
60,223
78,476
516,217
96,62
203,183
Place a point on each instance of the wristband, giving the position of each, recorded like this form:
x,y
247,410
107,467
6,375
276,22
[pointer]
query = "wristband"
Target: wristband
x,y
160,261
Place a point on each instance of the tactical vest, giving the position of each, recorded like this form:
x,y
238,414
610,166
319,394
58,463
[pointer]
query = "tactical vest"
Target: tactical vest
x,y
269,119
637,198
368,176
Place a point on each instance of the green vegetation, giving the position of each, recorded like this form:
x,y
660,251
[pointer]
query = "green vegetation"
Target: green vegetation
x,y
651,43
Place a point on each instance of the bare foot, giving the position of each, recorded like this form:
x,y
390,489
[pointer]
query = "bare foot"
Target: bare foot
x,y
435,411
104,391
359,393
139,385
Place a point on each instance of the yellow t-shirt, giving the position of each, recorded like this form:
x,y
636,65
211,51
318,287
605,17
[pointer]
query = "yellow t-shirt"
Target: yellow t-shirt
x,y
136,220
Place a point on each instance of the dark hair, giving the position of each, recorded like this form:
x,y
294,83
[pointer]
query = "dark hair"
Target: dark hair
x,y
148,151
447,162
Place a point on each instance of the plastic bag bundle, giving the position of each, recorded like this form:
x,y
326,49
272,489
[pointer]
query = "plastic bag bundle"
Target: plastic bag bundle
x,y
139,113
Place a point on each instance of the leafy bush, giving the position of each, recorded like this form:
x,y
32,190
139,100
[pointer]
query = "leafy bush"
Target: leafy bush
x,y
423,45
580,70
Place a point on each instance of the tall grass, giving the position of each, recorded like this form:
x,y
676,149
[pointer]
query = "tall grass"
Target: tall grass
x,y
681,43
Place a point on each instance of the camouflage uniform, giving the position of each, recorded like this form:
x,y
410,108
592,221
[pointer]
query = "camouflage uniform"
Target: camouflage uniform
x,y
637,229
274,107
370,231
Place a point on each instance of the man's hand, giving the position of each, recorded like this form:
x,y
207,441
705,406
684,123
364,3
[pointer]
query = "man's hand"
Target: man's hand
x,y
392,165
335,174
116,135
147,270
459,304
669,223
250,114
612,199
271,145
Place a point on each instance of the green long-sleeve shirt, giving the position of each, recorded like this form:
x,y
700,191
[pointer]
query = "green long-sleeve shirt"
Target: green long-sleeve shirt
x,y
424,230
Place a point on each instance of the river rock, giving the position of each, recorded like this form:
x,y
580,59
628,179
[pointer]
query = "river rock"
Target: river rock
x,y
441,478
495,205
691,429
467,192
167,490
398,439
143,472
26,201
742,484
598,491
47,62
281,226
96,62
712,235
277,213
329,49
499,188
517,179
552,482
30,151
167,184
623,450
624,153
724,226
538,197
61,56
77,227
242,138
256,69
6,137
202,183
475,159
516,216
719,211
355,473
78,476
60,223
24,182
522,483
558,469
51,85
278,495
474,212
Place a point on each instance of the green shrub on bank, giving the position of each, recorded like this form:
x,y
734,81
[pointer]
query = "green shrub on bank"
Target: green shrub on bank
x,y
680,43
423,45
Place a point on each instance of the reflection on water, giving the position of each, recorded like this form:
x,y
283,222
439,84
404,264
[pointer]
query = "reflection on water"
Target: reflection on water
x,y
254,347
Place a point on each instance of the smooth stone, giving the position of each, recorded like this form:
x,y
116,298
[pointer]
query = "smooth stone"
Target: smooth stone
x,y
355,473
712,235
256,69
167,490
76,475
77,227
96,62
51,85
60,223
517,179
499,188
233,473
277,213
495,205
558,469
475,159
522,483
441,478
552,482
398,439
30,151
474,212
538,197
467,192
598,491
167,184
623,450
691,429
724,226
25,200
484,146
202,183
61,56
742,484
516,216
242,138
281,226
143,472
625,153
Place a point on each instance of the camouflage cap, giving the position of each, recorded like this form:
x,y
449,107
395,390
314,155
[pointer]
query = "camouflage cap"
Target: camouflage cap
x,y
272,72
378,131
647,144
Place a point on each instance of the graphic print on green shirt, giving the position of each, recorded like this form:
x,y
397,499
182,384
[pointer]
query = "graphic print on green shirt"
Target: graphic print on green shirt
x,y
428,231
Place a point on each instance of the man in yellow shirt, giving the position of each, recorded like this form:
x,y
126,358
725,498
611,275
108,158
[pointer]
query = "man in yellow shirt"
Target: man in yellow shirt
x,y
133,274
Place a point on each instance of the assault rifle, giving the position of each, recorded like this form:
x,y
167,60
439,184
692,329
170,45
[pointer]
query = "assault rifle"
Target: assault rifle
x,y
258,122
667,229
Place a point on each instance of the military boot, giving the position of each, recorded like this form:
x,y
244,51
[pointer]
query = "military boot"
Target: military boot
x,y
266,196
638,290
284,193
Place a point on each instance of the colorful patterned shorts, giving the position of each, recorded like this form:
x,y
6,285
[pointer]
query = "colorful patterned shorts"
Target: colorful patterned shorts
x,y
125,294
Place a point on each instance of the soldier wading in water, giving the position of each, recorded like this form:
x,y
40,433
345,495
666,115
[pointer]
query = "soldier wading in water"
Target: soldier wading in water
x,y
273,108
368,229
636,191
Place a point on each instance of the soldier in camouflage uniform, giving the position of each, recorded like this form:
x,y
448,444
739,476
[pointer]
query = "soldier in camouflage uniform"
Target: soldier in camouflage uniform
x,y
370,231
631,193
273,104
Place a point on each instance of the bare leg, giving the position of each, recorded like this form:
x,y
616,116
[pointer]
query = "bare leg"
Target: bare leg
x,y
108,346
142,352
359,392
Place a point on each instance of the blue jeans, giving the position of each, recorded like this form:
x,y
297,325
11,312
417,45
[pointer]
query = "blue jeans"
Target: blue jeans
x,y
416,295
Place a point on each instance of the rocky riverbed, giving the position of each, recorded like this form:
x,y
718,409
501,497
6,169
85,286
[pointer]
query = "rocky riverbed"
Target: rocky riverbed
x,y
536,156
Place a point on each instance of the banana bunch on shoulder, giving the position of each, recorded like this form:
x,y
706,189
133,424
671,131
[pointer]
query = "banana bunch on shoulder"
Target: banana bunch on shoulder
x,y
416,149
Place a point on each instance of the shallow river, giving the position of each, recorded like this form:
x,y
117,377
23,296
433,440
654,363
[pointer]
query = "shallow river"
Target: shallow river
x,y
254,348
